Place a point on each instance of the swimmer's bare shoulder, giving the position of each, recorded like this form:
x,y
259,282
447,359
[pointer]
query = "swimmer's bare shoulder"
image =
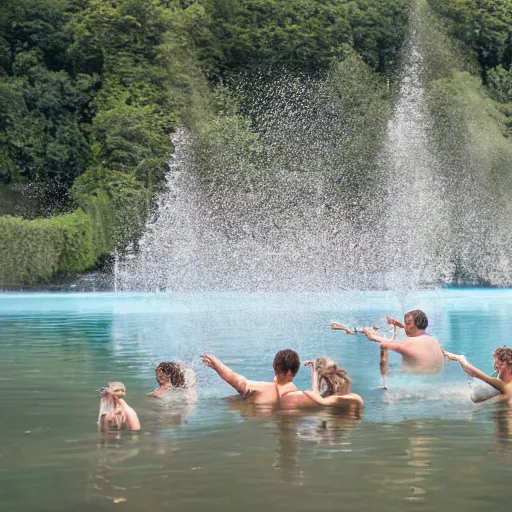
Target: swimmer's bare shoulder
x,y
259,392
422,354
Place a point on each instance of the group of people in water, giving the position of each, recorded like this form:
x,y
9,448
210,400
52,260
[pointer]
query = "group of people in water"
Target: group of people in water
x,y
115,413
330,383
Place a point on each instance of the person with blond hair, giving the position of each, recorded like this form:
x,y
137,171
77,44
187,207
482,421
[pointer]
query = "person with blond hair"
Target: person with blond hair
x,y
331,387
114,411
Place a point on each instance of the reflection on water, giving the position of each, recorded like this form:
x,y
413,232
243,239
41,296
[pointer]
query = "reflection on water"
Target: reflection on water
x,y
287,452
503,428
420,444
111,454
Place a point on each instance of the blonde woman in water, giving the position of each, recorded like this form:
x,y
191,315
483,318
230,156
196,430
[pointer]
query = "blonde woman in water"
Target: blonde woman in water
x,y
114,411
326,375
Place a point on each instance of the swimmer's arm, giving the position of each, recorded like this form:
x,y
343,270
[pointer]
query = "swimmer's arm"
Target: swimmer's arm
x,y
336,326
239,382
401,348
395,323
314,377
316,397
473,371
132,420
332,400
372,335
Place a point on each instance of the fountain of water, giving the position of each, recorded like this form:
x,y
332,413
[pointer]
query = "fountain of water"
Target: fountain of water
x,y
414,221
284,226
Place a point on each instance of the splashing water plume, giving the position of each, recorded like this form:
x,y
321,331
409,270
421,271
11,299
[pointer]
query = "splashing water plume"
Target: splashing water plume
x,y
415,225
275,220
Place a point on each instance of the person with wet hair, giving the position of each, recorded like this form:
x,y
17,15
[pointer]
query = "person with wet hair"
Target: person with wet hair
x,y
421,353
502,365
286,364
114,411
172,375
331,387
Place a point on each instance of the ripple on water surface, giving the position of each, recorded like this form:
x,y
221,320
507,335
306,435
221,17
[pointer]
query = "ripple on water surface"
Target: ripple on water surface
x,y
420,442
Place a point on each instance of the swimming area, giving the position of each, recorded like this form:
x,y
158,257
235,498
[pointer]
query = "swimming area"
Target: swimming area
x,y
422,441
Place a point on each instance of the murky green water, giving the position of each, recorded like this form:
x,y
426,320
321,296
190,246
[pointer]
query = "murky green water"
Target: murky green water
x,y
421,445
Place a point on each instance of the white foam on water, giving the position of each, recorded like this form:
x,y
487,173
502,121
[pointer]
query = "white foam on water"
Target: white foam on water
x,y
442,392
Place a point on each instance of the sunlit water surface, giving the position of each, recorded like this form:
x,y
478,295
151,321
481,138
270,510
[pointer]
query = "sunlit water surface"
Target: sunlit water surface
x,y
421,445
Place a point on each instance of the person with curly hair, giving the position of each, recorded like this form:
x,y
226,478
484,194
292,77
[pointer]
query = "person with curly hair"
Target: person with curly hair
x,y
330,385
172,375
502,365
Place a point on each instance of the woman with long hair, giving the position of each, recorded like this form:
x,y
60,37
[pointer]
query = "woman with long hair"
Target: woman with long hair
x,y
330,385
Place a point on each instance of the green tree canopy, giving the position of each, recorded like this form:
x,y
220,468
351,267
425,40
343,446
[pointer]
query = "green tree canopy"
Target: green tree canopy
x,y
305,34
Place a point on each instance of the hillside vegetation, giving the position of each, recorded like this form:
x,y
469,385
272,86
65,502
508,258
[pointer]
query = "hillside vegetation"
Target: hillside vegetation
x,y
91,92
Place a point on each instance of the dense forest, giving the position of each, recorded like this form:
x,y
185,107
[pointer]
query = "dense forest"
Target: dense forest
x,y
92,90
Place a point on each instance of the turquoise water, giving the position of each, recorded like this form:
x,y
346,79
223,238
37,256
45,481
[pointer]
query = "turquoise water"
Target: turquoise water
x,y
422,444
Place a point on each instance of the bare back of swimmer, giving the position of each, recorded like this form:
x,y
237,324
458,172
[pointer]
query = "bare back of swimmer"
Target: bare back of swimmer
x,y
324,371
286,365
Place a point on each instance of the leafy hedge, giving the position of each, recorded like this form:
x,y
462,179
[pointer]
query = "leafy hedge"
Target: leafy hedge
x,y
34,250
108,216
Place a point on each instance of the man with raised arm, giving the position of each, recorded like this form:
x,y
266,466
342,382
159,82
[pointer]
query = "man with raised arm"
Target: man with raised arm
x,y
421,352
286,365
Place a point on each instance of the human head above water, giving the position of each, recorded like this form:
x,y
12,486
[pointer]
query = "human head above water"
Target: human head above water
x,y
333,376
503,355
419,319
117,388
286,361
169,372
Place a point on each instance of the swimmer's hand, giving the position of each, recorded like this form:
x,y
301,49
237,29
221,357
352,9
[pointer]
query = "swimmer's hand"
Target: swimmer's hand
x,y
371,333
335,326
209,360
396,323
106,392
309,363
466,366
451,357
